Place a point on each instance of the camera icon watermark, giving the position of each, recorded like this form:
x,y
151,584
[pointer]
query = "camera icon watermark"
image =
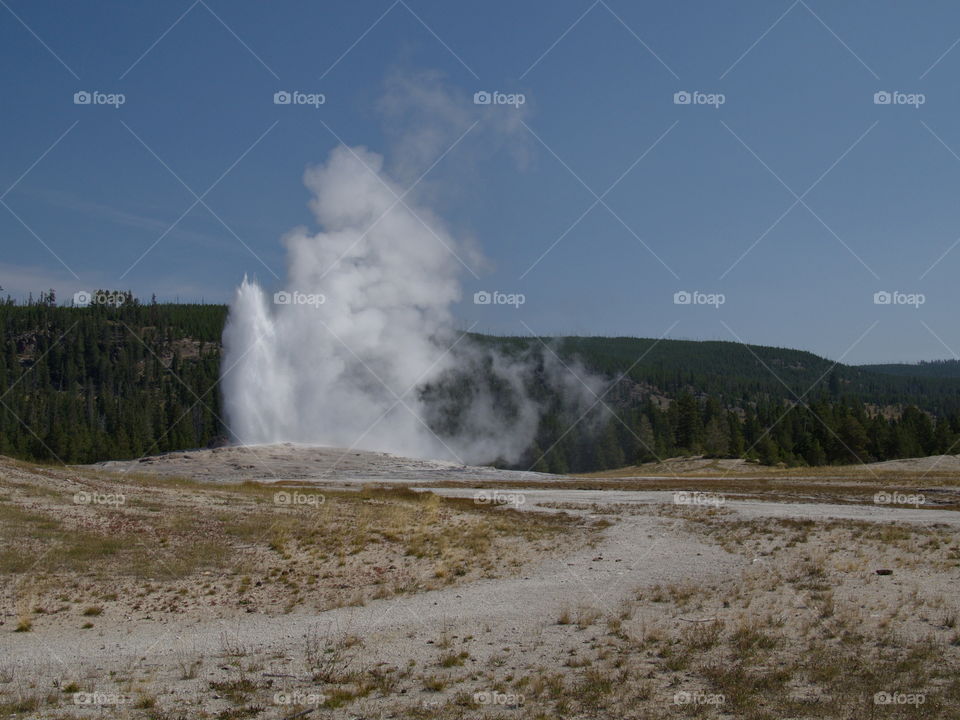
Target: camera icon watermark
x,y
899,498
883,297
684,97
495,497
695,297
482,297
895,97
85,97
84,298
295,97
294,297
898,698
296,499
482,97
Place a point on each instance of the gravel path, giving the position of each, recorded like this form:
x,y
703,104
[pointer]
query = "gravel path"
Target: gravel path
x,y
510,620
749,509
637,551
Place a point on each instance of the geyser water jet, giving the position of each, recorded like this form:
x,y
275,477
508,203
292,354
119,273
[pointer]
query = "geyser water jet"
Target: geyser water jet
x,y
347,367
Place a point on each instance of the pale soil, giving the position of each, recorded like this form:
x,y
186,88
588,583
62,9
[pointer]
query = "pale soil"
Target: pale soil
x,y
621,501
509,622
327,465
287,461
730,599
934,466
173,546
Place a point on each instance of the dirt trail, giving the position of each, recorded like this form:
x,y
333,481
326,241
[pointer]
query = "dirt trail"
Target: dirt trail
x,y
543,500
637,551
510,622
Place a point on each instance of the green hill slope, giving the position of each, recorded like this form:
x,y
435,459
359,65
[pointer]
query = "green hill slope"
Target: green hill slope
x,y
87,384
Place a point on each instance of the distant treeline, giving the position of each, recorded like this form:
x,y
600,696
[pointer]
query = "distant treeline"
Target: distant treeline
x,y
821,433
926,368
725,399
115,380
125,378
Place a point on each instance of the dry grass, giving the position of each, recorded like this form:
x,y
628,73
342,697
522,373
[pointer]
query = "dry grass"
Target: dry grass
x,y
907,472
174,545
808,630
940,493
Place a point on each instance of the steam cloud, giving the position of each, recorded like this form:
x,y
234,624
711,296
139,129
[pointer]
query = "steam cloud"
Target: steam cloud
x,y
362,368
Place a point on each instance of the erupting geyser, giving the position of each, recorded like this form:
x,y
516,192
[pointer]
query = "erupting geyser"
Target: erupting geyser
x,y
341,355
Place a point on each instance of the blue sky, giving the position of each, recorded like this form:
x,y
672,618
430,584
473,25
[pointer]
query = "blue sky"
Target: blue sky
x,y
710,202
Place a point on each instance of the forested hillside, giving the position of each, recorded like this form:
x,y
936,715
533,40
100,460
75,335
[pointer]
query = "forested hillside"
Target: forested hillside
x,y
125,379
932,369
108,381
726,399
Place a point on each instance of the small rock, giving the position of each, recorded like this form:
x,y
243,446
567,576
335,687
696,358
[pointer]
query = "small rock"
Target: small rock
x,y
884,571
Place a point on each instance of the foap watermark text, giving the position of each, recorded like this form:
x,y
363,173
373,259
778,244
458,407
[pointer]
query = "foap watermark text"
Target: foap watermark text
x,y
495,497
898,698
296,499
684,97
482,97
685,497
296,697
84,298
899,498
293,297
895,97
85,97
695,297
100,698
93,498
295,97
684,697
492,697
482,297
884,297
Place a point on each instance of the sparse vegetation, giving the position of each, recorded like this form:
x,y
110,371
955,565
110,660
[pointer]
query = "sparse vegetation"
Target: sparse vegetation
x,y
804,627
354,547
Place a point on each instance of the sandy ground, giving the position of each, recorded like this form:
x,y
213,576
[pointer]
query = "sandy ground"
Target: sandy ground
x,y
341,466
511,617
723,467
506,626
327,465
548,500
636,551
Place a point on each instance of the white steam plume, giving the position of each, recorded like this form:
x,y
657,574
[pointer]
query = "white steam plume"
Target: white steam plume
x,y
351,371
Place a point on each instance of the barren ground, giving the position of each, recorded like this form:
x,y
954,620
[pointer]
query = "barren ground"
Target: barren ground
x,y
241,583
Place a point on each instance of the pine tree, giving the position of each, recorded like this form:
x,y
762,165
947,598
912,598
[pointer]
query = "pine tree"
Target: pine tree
x,y
716,442
689,426
647,441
